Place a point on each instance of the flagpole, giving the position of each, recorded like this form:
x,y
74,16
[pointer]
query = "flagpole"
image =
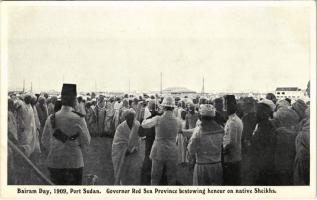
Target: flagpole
x,y
23,85
161,82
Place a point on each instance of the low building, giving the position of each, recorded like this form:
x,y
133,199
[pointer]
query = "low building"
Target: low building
x,y
178,91
289,92
117,94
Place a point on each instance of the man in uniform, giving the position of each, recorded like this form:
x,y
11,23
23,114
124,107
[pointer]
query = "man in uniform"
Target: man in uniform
x,y
232,144
66,135
164,149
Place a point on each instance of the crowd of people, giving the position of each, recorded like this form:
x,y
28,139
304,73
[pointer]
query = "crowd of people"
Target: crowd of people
x,y
226,141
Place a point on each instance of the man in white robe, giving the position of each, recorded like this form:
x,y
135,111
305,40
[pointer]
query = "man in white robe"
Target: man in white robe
x,y
125,151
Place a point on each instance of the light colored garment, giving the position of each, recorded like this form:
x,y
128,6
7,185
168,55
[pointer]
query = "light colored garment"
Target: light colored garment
x,y
117,109
68,154
157,171
208,174
232,139
179,112
91,120
181,147
27,135
175,111
206,146
138,112
12,126
50,108
42,113
109,117
100,111
147,112
164,149
13,137
198,122
166,128
38,131
125,142
37,120
81,108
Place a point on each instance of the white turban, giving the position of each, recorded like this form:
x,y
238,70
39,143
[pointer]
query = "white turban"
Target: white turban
x,y
207,110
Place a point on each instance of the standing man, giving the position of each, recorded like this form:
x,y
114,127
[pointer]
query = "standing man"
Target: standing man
x,y
100,111
81,106
149,134
263,145
221,115
66,135
232,144
42,112
28,136
205,145
117,108
109,126
125,151
164,149
302,158
249,122
51,105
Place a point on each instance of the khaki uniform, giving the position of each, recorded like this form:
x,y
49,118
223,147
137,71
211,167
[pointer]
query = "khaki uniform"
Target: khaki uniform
x,y
164,149
66,156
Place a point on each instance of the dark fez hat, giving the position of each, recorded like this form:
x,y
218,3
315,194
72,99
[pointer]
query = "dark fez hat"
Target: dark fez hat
x,y
230,99
69,90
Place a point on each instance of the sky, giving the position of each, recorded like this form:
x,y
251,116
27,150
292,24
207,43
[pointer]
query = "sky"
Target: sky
x,y
235,47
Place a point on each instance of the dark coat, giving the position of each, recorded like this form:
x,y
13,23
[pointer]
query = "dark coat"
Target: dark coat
x,y
262,153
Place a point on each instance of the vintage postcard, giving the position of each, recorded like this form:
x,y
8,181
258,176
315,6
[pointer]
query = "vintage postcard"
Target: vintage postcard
x,y
158,100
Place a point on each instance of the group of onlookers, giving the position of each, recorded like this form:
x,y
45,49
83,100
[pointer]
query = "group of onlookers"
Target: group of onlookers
x,y
227,141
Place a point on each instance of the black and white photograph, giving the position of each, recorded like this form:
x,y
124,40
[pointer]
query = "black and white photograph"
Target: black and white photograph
x,y
159,94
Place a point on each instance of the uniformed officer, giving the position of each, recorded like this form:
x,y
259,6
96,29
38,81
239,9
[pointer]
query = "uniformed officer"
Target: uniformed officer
x,y
164,149
65,135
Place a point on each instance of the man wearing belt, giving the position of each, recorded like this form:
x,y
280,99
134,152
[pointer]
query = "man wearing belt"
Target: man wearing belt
x,y
65,135
205,145
164,149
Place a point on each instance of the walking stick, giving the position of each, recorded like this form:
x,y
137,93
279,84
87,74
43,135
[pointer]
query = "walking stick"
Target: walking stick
x,y
29,162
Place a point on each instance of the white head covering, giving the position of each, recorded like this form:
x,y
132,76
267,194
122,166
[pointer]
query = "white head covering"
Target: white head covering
x,y
207,110
168,102
18,103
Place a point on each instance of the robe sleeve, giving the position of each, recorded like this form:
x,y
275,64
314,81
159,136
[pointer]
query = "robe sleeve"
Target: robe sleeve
x,y
193,145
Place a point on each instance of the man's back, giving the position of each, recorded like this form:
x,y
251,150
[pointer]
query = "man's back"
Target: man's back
x,y
167,126
66,154
166,129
